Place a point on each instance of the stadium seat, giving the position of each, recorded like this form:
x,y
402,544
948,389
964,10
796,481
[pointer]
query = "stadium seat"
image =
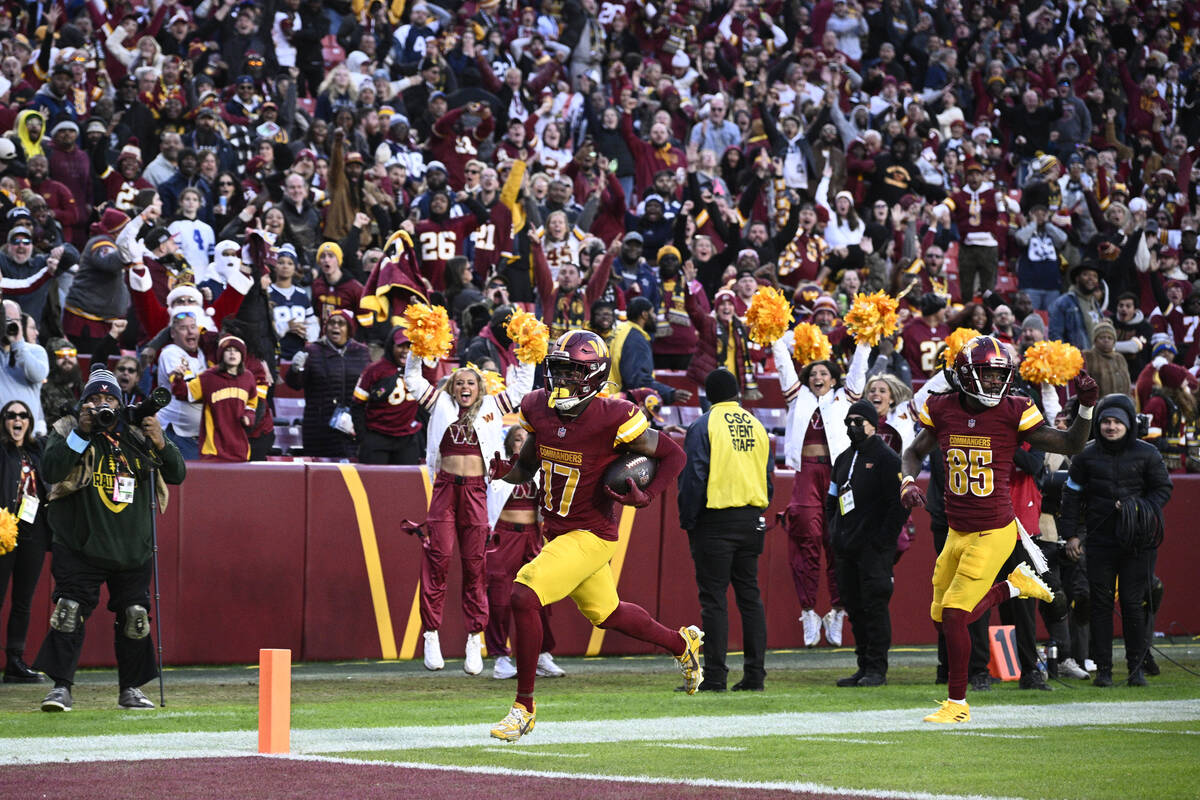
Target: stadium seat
x,y
332,51
289,410
289,440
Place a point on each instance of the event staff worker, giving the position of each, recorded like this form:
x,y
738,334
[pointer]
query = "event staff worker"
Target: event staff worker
x,y
864,532
100,517
723,492
1113,500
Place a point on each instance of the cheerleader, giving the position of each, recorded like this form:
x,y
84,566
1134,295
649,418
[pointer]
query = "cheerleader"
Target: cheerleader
x,y
516,538
465,426
815,436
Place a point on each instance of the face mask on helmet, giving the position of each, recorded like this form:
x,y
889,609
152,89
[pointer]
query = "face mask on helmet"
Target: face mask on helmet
x,y
988,385
567,384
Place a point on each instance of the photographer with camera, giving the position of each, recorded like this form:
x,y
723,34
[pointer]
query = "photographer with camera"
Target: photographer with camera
x,y
23,367
101,466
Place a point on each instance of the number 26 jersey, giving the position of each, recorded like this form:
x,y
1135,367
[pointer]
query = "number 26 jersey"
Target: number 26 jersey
x,y
573,455
978,448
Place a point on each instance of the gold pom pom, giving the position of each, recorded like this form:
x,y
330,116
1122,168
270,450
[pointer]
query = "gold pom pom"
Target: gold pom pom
x,y
769,316
8,532
530,335
1053,362
811,344
872,317
493,382
955,343
428,328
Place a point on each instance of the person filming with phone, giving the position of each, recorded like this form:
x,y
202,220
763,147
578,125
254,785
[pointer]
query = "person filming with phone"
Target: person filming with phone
x,y
102,466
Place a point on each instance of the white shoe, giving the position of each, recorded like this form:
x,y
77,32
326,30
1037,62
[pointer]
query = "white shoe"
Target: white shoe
x,y
812,627
1089,665
1070,669
473,663
433,651
832,623
504,668
546,667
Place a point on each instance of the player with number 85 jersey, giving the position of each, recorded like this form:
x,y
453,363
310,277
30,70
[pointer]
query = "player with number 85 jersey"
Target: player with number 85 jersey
x,y
978,428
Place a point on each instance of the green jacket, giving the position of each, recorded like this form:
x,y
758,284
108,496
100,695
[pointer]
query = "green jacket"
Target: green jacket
x,y
82,513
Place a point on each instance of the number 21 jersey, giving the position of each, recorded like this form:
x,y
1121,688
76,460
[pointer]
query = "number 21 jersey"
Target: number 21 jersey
x,y
978,448
573,455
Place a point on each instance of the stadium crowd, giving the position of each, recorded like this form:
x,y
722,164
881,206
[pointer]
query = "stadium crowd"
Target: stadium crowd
x,y
224,197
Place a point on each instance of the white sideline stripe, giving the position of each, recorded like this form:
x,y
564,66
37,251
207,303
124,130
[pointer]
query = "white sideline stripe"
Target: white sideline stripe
x,y
220,744
1011,735
681,746
840,740
812,788
522,751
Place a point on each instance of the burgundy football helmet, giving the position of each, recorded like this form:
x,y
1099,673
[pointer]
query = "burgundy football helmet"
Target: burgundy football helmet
x,y
576,369
980,354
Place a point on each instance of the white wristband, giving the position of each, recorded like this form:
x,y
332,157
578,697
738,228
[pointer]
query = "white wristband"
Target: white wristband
x,y
1085,412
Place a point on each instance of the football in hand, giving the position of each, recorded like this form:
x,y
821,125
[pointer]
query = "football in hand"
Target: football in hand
x,y
630,465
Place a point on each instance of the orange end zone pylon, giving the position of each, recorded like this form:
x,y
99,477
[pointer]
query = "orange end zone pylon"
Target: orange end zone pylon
x,y
274,701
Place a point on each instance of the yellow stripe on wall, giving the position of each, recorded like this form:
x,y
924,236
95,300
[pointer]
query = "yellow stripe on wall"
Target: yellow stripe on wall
x,y
618,561
366,532
412,631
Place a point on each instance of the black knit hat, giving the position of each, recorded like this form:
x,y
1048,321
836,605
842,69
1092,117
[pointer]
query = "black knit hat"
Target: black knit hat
x,y
101,381
720,385
866,410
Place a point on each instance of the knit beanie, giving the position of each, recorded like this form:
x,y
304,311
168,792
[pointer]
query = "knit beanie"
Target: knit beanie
x,y
1033,322
865,409
1103,326
720,385
101,381
332,247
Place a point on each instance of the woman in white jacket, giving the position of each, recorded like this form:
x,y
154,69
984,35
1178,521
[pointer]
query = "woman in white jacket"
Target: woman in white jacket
x,y
466,428
815,437
897,421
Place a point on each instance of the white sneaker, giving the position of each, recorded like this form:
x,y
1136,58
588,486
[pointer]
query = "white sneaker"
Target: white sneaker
x,y
546,667
433,651
504,668
812,627
832,623
1070,669
1089,665
473,663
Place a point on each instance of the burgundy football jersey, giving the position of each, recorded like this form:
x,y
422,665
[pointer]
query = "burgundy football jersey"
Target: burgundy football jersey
x,y
574,455
919,346
979,447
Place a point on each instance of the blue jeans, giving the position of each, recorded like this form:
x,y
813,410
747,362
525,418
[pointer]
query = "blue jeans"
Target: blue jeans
x,y
189,446
1042,298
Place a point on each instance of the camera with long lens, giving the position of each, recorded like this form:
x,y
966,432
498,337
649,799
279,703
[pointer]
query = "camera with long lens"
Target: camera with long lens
x,y
134,415
12,329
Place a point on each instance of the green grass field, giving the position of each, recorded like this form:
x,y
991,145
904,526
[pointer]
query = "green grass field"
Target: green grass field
x,y
801,730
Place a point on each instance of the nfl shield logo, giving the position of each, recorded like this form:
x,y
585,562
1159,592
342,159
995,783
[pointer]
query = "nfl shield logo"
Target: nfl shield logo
x,y
970,423
562,433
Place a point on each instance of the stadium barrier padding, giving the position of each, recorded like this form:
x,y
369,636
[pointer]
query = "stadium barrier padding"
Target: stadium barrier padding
x,y
309,557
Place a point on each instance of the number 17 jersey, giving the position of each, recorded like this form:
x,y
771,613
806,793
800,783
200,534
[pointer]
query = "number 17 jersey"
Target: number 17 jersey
x,y
573,455
978,447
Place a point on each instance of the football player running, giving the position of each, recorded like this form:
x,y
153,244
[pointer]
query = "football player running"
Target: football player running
x,y
978,427
574,434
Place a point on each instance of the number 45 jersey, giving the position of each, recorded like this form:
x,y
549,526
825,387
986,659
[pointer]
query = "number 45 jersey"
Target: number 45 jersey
x,y
574,455
978,448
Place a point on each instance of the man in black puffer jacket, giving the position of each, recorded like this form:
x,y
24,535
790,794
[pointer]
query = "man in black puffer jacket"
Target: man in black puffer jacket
x,y
1114,498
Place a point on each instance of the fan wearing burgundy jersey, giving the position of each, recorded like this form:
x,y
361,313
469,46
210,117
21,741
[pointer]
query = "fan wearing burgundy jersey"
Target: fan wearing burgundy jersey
x,y
978,428
574,435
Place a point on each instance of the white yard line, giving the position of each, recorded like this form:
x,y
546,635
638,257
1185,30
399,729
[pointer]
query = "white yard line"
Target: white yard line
x,y
682,746
41,750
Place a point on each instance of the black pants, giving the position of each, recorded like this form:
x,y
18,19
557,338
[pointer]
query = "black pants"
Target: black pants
x,y
978,630
726,555
1022,615
1105,566
864,580
260,446
24,566
77,579
378,448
